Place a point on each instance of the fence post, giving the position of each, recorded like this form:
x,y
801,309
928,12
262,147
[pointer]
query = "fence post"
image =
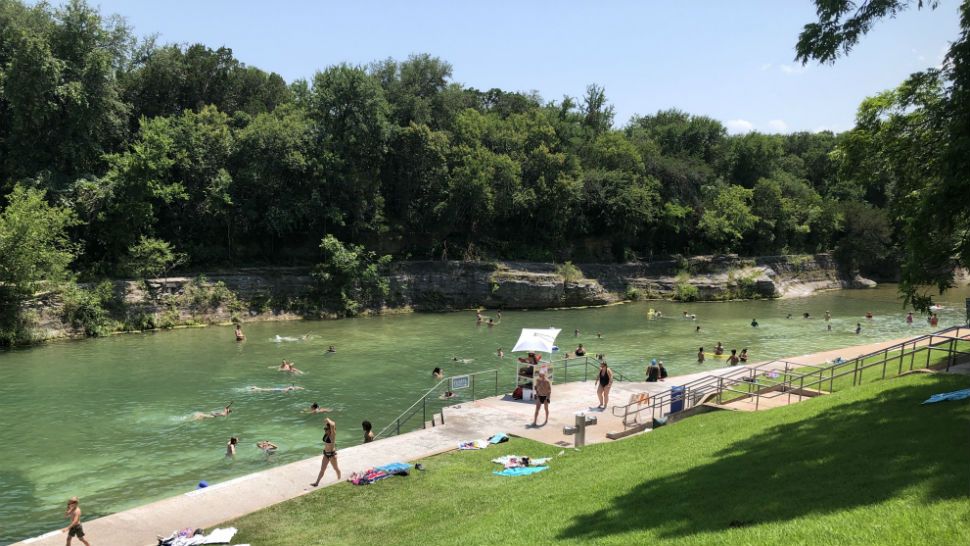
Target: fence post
x,y
566,372
720,389
831,379
473,387
398,426
929,349
949,357
424,412
855,372
586,369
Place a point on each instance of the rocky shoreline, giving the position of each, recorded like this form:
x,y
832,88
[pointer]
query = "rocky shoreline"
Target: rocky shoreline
x,y
262,294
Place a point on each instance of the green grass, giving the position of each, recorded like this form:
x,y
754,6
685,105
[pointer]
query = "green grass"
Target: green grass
x,y
869,465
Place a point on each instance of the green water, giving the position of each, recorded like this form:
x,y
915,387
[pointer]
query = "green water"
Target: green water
x,y
109,419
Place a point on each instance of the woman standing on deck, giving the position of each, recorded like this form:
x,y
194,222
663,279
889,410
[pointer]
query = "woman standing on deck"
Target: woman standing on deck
x,y
329,450
604,384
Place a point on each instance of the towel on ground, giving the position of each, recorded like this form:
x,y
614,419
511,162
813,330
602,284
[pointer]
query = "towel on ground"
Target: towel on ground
x,y
499,438
473,444
519,461
220,536
955,395
398,469
521,471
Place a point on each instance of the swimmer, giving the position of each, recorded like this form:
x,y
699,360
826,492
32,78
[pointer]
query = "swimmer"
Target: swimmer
x,y
697,330
789,316
744,355
733,359
315,408
478,317
934,319
599,335
198,416
828,316
288,367
268,447
686,316
331,349
491,323
275,389
438,374
718,349
754,323
909,318
240,336
368,431
499,315
576,332
700,355
580,351
500,353
231,447
663,371
806,315
446,395
858,328
457,360
869,315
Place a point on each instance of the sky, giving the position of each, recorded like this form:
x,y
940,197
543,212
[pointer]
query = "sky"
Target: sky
x,y
731,60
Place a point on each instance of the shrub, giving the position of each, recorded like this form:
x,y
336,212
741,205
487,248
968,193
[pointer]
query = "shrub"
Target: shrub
x,y
350,278
632,293
569,272
686,292
151,257
85,309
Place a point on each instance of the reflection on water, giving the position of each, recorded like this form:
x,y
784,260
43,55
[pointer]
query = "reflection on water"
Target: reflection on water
x,y
110,420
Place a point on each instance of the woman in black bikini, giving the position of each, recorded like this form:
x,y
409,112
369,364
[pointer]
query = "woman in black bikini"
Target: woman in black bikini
x,y
329,450
604,384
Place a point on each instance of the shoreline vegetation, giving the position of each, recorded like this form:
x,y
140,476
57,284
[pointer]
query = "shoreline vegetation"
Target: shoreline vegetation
x,y
76,311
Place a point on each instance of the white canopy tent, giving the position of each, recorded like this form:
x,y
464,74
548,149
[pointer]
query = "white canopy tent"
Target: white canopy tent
x,y
536,340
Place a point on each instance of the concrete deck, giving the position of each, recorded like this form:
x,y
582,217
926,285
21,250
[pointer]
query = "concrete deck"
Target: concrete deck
x,y
235,498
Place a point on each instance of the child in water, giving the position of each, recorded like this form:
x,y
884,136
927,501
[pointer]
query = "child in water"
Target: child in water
x,y
700,355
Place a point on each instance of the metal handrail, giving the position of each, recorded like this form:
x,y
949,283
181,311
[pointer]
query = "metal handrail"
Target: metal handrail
x,y
701,387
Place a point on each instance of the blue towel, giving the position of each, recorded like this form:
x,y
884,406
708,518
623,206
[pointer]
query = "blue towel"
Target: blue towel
x,y
520,471
394,468
499,438
955,395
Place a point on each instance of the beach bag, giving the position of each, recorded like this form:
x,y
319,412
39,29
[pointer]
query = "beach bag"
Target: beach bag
x,y
517,393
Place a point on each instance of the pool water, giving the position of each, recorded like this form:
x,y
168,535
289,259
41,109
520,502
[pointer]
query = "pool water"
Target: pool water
x,y
109,419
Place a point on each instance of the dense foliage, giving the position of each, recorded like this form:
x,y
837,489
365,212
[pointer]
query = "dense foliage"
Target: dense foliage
x,y
172,154
910,149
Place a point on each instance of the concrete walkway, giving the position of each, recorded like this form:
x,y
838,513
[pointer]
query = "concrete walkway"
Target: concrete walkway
x,y
221,502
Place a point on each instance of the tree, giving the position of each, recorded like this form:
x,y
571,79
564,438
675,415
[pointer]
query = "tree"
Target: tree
x,y
151,257
936,219
34,242
350,278
864,240
727,216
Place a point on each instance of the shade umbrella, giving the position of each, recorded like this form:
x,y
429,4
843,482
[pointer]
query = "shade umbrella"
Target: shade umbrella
x,y
540,340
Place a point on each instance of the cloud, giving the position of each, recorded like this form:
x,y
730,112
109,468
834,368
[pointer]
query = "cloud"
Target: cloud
x,y
739,126
778,126
766,66
791,69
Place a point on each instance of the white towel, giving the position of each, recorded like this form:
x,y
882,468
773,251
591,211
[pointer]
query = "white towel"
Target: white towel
x,y
220,536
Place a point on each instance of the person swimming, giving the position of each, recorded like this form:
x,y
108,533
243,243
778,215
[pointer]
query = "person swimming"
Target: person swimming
x,y
437,373
446,395
491,323
199,415
500,353
275,389
754,323
288,367
315,408
231,446
858,328
331,349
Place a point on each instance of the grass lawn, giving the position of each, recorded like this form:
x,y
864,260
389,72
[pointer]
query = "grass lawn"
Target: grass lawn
x,y
867,465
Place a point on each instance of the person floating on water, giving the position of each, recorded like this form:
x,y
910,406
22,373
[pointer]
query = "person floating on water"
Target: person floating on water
x,y
268,447
240,336
754,323
276,389
74,529
368,431
315,408
198,416
700,355
437,373
231,446
478,317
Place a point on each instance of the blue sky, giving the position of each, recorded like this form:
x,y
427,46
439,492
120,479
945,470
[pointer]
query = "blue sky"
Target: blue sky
x,y
732,60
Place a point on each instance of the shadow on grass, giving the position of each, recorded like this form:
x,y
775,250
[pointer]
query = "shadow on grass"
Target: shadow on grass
x,y
850,456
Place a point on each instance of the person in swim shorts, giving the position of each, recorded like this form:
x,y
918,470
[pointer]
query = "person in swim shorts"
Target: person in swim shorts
x,y
74,529
543,392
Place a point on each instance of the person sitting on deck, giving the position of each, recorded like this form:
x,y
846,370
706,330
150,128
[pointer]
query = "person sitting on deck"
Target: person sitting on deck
x,y
653,372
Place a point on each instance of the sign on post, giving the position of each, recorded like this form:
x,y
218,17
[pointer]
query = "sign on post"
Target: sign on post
x,y
460,382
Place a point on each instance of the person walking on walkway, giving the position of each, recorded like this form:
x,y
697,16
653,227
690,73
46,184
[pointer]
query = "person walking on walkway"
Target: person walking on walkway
x,y
543,393
329,450
604,384
74,529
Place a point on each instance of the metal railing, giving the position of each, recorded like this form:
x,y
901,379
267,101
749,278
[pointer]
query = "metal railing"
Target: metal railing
x,y
491,388
767,380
